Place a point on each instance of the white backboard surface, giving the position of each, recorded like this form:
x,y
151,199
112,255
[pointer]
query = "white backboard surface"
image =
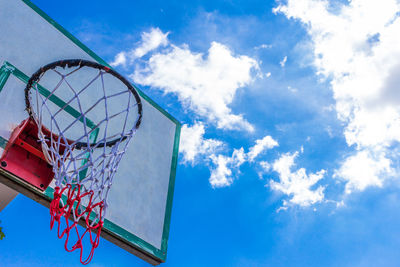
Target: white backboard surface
x,y
140,199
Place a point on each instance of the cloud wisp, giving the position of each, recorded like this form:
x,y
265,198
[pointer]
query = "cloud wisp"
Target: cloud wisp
x,y
298,185
261,145
222,173
149,41
193,144
283,62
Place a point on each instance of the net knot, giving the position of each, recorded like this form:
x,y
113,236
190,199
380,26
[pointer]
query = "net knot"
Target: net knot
x,y
57,194
78,244
57,217
70,202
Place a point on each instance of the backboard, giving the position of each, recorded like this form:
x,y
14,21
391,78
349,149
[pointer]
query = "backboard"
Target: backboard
x,y
140,200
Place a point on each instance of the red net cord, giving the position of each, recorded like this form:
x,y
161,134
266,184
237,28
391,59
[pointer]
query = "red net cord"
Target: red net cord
x,y
60,211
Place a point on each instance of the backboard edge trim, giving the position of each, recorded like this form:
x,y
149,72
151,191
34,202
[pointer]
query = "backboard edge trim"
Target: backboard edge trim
x,y
171,187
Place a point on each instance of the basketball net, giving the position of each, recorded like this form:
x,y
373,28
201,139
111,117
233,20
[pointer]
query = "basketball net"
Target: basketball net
x,y
84,166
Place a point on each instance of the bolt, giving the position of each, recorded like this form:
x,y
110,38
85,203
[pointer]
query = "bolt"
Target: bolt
x,y
3,164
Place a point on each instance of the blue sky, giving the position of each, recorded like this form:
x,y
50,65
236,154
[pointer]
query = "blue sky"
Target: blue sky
x,y
290,137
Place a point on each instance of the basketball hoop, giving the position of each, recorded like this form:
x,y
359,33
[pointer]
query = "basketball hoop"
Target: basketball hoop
x,y
84,148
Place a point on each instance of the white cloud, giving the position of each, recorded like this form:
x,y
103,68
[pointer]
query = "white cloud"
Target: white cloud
x,y
206,85
120,59
226,168
297,184
238,157
221,175
193,144
263,46
262,144
150,41
293,90
265,168
265,165
356,47
283,62
364,169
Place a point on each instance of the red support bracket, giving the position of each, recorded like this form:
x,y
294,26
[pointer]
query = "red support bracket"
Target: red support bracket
x,y
24,158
